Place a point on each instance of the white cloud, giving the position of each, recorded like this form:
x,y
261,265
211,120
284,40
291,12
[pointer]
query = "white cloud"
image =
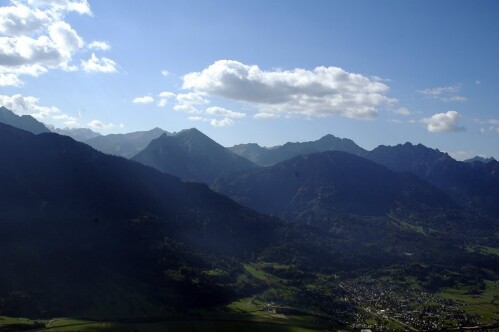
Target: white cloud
x,y
482,130
99,65
164,97
29,105
220,111
99,45
462,155
99,125
265,116
213,122
166,94
444,122
402,111
198,119
221,123
143,100
34,38
188,102
494,121
56,6
445,93
165,72
323,91
68,120
19,20
478,82
65,38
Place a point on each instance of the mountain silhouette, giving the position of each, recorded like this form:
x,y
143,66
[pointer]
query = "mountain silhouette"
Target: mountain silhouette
x,y
124,145
191,155
270,156
25,122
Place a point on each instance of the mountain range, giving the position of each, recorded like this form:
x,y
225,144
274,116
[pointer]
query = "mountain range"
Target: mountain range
x,y
191,155
83,219
312,187
269,156
472,185
125,145
83,232
78,134
25,122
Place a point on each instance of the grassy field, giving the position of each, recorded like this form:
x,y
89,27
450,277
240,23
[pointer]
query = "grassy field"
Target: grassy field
x,y
485,304
63,324
483,250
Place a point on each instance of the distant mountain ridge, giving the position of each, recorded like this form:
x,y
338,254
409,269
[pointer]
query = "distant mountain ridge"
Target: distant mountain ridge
x,y
317,186
78,134
480,159
125,145
473,185
191,155
269,156
25,122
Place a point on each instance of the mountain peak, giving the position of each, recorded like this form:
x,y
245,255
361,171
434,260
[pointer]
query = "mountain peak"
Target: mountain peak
x,y
193,156
273,155
24,122
479,159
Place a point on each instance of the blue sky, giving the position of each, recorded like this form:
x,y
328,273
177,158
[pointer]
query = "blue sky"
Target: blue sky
x,y
378,72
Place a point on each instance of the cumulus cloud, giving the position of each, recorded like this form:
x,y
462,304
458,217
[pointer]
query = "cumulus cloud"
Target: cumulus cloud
x,y
494,121
143,100
221,123
213,122
444,93
29,105
99,125
402,111
444,122
35,38
165,72
20,20
99,65
56,6
265,116
320,92
188,102
164,97
99,45
220,111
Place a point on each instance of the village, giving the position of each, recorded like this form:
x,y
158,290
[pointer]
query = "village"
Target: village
x,y
389,304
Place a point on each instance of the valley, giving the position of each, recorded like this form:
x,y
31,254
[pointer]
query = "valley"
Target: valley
x,y
187,235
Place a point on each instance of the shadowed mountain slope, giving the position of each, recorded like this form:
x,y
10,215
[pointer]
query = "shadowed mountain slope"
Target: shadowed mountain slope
x,y
330,183
25,122
270,156
125,145
473,185
193,156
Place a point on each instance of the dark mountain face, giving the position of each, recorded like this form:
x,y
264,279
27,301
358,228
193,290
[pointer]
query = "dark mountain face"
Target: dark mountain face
x,y
78,227
125,145
270,156
192,156
473,185
330,183
78,134
25,122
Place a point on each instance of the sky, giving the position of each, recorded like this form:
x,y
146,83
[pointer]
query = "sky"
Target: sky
x,y
269,72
